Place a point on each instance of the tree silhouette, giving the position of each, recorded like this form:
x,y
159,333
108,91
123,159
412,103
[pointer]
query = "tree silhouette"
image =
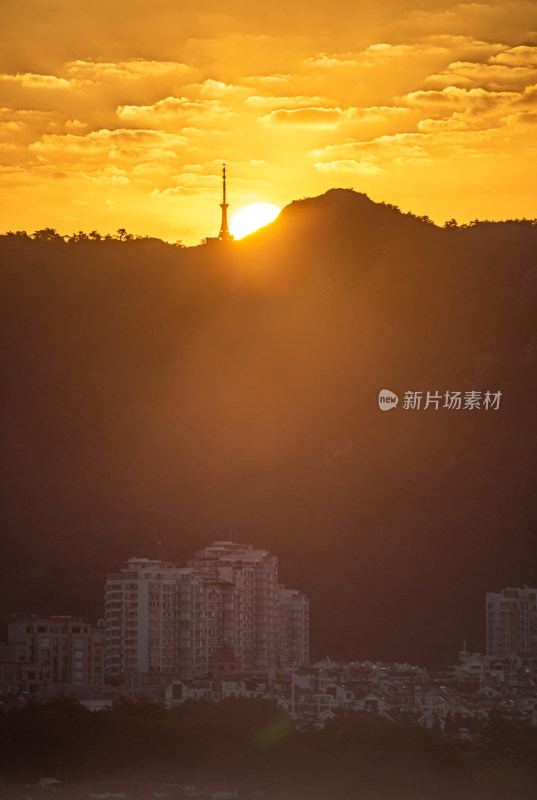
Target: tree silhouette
x,y
123,236
47,235
18,234
78,237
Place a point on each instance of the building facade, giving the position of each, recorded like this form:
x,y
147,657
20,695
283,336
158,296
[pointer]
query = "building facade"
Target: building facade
x,y
245,579
293,627
164,618
512,623
141,616
56,650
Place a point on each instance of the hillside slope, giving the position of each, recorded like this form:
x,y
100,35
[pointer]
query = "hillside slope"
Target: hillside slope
x,y
187,394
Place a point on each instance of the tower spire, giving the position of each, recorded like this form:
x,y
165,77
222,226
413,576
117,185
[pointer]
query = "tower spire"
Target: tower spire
x,y
224,234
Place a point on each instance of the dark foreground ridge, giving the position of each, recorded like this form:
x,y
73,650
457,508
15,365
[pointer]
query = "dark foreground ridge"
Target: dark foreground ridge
x,y
252,750
157,392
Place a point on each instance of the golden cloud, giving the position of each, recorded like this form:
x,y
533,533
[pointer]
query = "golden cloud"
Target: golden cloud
x,y
129,145
133,70
522,56
431,143
286,102
510,20
316,117
166,109
29,80
455,97
496,77
349,166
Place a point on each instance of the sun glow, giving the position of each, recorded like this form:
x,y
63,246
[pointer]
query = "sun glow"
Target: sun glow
x,y
250,218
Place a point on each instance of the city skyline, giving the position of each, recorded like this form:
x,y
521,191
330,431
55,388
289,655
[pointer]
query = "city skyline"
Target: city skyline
x,y
212,583
47,657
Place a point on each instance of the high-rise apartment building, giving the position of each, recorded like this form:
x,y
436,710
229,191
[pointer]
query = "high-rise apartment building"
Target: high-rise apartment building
x,y
152,617
245,580
293,627
512,622
163,618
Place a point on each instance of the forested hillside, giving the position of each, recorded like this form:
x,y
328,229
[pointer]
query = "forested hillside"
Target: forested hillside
x,y
152,392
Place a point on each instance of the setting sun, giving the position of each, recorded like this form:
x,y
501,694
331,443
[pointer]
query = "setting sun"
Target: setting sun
x,y
252,217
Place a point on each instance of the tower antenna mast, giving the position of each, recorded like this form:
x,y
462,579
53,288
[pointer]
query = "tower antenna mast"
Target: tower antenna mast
x,y
224,234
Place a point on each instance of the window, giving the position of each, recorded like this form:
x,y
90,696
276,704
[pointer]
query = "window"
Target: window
x,y
45,643
79,642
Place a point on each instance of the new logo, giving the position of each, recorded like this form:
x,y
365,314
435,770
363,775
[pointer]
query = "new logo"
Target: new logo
x,y
387,400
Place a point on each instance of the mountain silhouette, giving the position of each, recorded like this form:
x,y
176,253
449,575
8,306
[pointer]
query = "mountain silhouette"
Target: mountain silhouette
x,y
192,394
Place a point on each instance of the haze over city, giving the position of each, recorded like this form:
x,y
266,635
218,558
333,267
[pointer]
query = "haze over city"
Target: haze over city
x,y
268,299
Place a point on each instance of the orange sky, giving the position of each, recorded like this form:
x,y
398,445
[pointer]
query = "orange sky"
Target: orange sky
x,y
120,115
